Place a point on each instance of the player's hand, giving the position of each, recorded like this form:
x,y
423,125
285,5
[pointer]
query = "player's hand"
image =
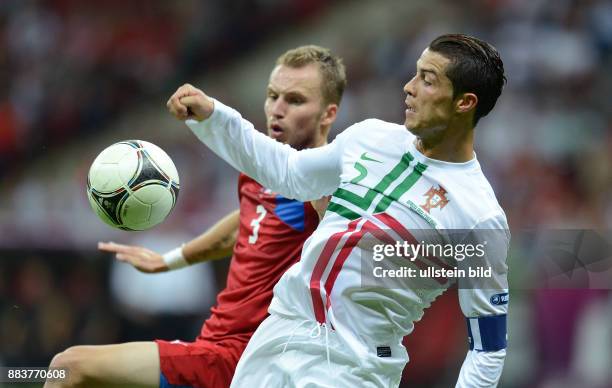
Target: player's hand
x,y
144,260
189,102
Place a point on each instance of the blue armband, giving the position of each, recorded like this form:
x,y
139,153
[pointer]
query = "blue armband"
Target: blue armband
x,y
487,333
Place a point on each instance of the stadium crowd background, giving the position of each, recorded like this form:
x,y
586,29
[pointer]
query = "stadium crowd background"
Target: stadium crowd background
x,y
77,76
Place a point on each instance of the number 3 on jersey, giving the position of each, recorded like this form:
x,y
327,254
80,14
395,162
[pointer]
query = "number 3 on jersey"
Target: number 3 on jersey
x,y
255,223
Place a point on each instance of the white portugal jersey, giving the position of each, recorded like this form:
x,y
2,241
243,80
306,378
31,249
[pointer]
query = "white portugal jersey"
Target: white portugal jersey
x,y
381,186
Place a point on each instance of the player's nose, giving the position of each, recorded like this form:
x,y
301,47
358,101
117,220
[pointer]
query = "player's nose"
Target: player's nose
x,y
279,108
409,87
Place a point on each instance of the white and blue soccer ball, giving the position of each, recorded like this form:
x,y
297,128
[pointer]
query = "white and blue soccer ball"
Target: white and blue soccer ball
x,y
132,185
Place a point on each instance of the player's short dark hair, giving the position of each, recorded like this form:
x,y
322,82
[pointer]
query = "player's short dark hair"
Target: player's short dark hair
x,y
331,66
475,67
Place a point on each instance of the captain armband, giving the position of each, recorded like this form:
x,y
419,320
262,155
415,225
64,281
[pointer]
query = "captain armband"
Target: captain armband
x,y
488,333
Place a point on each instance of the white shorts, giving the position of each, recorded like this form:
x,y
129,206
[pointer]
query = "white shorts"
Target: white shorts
x,y
304,361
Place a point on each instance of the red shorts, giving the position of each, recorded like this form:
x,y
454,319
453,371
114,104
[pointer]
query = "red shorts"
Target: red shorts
x,y
199,364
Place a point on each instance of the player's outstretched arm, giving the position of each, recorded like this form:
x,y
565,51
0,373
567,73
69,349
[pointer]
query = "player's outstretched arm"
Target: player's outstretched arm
x,y
188,102
216,243
304,175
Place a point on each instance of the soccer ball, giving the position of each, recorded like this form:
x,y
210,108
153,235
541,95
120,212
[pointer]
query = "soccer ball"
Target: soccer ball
x,y
132,185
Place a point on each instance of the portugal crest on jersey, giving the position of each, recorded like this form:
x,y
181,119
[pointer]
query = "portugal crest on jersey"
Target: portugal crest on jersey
x,y
436,197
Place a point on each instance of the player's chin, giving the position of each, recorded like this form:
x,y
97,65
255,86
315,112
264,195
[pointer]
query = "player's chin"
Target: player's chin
x,y
411,125
278,136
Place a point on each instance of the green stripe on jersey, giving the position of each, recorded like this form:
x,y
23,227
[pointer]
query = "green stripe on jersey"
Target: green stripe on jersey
x,y
365,201
363,172
386,200
342,211
401,189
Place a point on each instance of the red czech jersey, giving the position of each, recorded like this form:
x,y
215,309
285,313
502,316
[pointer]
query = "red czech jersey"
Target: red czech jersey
x,y
272,232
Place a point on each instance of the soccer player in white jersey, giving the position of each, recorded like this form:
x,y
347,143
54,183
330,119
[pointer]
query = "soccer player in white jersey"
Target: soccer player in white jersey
x,y
389,181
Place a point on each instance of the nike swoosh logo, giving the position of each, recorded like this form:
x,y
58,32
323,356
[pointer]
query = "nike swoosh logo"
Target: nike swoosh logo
x,y
364,156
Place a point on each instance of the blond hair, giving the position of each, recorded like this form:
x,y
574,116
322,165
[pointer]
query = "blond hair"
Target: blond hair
x,y
331,67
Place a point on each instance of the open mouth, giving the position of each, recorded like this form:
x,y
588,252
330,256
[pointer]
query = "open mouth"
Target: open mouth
x,y
409,108
276,131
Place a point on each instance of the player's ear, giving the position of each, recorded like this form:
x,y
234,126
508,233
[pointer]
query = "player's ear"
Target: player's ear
x,y
465,102
329,115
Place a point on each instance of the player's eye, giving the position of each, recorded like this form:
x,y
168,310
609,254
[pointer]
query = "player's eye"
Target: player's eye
x,y
295,100
272,96
425,82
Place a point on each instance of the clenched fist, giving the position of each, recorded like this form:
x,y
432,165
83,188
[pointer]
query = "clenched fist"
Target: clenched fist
x,y
189,102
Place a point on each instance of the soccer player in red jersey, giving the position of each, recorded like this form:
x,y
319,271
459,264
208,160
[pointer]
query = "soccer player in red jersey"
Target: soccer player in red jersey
x,y
266,235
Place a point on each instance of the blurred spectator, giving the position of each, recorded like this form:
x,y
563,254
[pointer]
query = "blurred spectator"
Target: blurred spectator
x,y
190,291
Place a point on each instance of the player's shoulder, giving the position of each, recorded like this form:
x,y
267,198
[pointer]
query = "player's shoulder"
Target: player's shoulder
x,y
372,129
248,184
486,206
474,192
245,179
377,124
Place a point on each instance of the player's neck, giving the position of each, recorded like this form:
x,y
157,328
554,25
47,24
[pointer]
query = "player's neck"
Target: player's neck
x,y
456,146
319,141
